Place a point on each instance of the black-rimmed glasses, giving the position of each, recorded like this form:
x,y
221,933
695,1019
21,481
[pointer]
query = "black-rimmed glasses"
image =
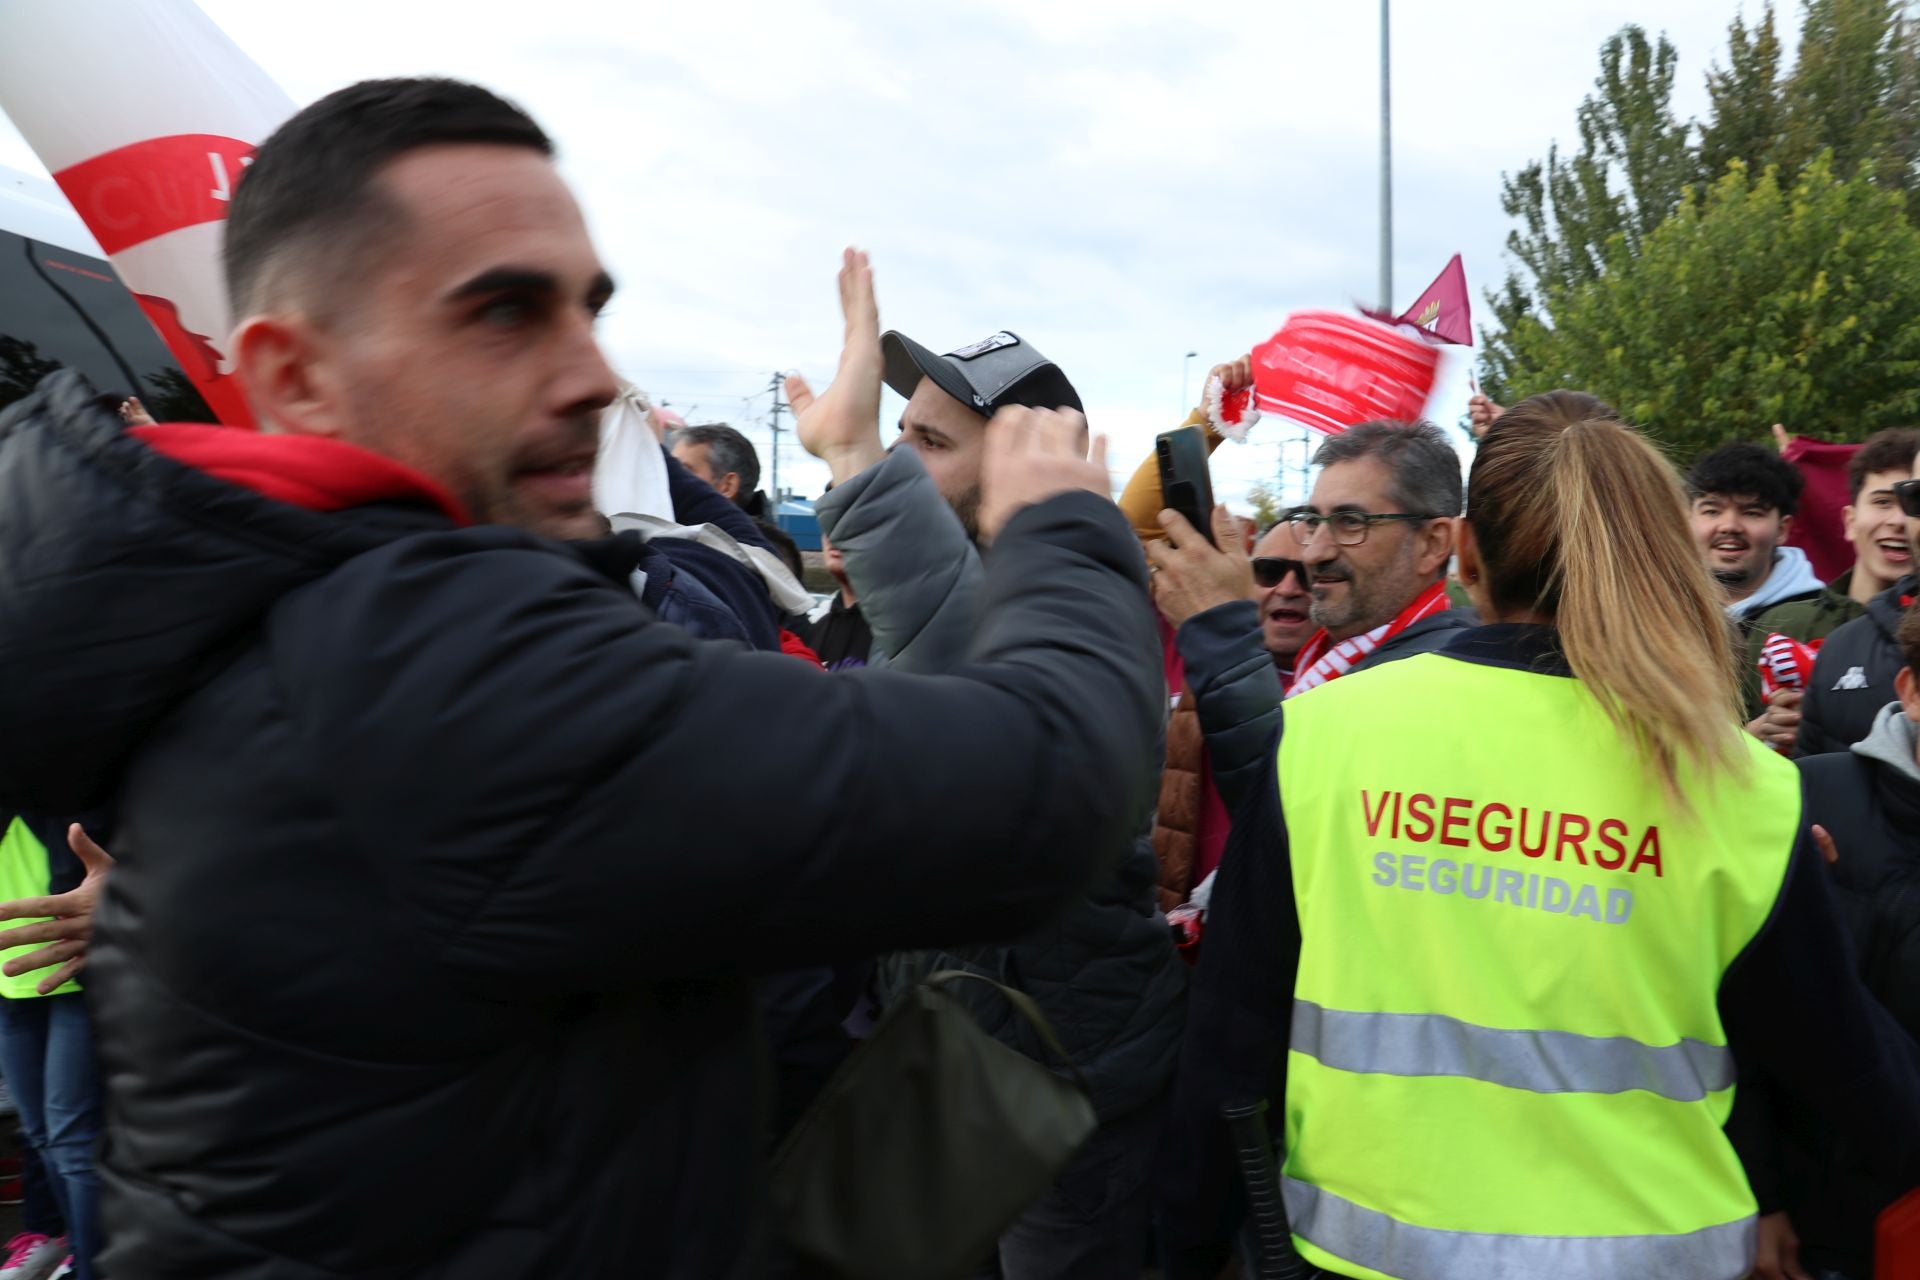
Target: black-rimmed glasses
x,y
1349,528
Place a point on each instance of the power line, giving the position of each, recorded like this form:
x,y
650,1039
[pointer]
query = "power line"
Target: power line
x,y
773,425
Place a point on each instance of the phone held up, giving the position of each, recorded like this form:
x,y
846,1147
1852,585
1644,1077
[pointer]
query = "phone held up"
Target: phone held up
x,y
1185,484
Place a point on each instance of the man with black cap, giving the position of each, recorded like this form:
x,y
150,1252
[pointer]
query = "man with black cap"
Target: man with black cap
x,y
1104,972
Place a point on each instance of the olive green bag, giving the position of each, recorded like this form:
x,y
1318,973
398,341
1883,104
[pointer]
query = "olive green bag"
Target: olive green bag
x,y
927,1143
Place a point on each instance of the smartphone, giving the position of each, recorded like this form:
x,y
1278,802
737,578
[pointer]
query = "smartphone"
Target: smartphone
x,y
1185,484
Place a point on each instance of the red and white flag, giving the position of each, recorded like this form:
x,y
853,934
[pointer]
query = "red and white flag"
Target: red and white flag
x,y
1786,663
1329,371
145,114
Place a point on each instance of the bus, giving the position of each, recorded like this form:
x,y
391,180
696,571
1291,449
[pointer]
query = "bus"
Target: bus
x,y
63,307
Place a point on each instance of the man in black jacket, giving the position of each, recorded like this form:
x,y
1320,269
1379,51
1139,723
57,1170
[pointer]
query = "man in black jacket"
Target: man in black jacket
x,y
1104,970
1868,801
1853,676
428,949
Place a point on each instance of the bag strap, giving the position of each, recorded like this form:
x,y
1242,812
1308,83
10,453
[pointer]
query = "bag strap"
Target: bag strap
x,y
1022,1004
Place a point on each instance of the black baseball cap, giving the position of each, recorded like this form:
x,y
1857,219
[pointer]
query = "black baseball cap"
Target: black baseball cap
x,y
999,370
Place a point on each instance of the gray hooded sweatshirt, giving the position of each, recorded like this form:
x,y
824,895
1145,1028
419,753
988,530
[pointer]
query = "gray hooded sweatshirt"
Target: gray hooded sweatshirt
x,y
1892,740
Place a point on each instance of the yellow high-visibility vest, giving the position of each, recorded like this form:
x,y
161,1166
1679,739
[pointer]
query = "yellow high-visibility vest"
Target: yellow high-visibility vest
x,y
23,874
1506,1056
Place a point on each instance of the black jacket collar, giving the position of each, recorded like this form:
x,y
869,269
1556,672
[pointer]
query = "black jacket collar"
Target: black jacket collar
x,y
1522,646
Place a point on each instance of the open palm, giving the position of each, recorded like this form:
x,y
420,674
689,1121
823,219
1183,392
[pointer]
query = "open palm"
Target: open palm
x,y
841,425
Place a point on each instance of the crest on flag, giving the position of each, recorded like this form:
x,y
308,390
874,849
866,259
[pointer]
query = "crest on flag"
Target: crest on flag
x,y
1443,313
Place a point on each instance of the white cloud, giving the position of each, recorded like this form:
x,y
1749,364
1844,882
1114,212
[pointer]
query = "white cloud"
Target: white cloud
x,y
1120,185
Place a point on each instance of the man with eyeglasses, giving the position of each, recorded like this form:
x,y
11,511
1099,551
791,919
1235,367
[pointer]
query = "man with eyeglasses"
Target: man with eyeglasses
x,y
1853,676
1372,543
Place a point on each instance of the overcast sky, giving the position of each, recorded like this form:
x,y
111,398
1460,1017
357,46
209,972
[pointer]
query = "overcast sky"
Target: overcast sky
x,y
1120,184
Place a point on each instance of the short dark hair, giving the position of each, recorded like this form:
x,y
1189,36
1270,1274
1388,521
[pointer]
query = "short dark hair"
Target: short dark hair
x,y
1423,462
727,451
783,546
1742,470
1909,639
311,184
1889,450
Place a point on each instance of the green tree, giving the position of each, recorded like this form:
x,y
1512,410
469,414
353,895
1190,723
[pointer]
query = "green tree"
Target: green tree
x,y
1265,501
1748,119
1629,174
1755,303
1852,91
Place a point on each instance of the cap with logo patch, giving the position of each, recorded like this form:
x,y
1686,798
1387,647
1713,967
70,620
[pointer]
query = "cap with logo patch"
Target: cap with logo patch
x,y
986,375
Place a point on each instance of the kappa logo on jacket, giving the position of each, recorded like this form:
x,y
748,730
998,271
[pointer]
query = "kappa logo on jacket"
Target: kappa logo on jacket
x,y
1856,678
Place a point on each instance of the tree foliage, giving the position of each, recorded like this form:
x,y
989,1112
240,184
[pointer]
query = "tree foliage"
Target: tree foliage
x,y
1643,264
1754,303
1630,173
1748,119
1267,508
1853,92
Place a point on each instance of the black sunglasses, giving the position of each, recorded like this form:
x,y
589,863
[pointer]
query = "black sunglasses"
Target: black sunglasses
x,y
1271,571
1907,494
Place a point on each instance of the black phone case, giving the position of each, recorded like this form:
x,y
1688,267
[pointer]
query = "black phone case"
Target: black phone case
x,y
1186,485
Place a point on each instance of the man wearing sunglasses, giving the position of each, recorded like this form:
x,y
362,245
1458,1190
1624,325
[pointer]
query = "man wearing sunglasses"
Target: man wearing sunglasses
x,y
1853,677
1373,543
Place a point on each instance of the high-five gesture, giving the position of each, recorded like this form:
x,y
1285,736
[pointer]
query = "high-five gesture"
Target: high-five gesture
x,y
841,425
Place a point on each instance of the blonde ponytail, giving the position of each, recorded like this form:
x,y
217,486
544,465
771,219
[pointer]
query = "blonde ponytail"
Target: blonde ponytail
x,y
1580,520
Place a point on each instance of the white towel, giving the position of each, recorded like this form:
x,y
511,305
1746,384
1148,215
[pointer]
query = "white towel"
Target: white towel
x,y
630,474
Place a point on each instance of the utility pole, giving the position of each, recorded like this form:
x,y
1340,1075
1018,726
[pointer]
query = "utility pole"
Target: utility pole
x,y
773,425
1386,161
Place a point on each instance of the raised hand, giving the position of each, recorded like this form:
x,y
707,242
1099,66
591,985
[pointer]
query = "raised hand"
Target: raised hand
x,y
1482,412
71,925
1191,575
1234,375
841,425
1033,455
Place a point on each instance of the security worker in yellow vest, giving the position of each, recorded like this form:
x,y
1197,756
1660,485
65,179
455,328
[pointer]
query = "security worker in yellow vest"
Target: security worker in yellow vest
x,y
1508,913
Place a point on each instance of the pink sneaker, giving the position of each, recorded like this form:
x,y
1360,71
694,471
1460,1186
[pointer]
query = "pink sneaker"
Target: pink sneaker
x,y
31,1256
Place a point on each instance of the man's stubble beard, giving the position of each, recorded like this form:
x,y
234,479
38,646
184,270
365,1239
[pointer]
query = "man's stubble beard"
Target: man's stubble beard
x,y
966,505
1378,601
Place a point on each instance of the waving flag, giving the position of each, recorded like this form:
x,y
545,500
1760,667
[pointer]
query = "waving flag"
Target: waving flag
x,y
1328,372
1444,312
146,114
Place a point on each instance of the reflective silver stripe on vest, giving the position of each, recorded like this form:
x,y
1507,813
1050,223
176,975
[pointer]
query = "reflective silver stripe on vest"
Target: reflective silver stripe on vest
x,y
1432,1044
1373,1239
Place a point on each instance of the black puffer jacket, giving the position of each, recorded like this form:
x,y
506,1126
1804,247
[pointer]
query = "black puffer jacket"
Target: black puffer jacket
x,y
441,864
1104,971
1868,799
1853,676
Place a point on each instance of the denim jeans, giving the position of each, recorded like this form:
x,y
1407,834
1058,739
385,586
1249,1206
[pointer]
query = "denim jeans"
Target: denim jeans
x,y
46,1055
1093,1224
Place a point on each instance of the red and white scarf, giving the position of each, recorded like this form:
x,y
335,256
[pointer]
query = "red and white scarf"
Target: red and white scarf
x,y
1321,660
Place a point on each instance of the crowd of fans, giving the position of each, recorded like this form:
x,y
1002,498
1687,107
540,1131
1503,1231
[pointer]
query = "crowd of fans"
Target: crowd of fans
x,y
490,889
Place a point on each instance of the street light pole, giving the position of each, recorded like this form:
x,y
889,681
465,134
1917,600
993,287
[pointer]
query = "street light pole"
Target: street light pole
x,y
1386,161
1185,365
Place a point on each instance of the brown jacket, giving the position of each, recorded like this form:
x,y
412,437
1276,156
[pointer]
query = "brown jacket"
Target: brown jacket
x,y
1176,825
